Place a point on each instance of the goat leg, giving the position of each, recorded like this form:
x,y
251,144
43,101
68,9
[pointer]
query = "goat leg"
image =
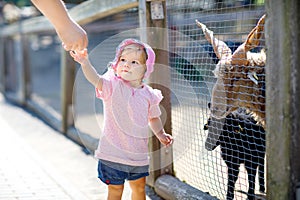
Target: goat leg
x,y
233,172
261,175
251,170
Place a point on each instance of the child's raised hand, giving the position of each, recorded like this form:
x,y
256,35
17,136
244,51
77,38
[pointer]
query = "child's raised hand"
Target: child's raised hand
x,y
80,56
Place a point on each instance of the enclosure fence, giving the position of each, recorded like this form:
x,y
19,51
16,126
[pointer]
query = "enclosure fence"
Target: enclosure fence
x,y
193,61
224,158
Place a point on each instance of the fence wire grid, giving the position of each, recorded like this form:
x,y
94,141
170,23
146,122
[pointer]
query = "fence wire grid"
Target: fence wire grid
x,y
213,167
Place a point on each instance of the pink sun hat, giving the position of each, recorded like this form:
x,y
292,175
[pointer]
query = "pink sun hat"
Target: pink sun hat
x,y
150,55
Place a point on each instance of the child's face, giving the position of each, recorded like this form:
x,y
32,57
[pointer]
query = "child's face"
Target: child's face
x,y
131,65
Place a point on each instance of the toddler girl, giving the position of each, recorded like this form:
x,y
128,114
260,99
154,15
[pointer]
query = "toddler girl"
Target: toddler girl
x,y
129,107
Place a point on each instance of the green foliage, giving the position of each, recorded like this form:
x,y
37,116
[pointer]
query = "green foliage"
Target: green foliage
x,y
260,2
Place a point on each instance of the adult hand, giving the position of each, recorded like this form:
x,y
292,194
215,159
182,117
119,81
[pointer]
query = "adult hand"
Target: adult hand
x,y
73,37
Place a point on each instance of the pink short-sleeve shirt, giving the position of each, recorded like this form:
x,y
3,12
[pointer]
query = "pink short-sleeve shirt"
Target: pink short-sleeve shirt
x,y
126,116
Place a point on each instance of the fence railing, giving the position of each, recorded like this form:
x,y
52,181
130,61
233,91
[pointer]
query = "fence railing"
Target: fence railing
x,y
36,73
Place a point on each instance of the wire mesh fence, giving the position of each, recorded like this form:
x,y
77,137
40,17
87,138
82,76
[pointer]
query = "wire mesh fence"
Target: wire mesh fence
x,y
213,160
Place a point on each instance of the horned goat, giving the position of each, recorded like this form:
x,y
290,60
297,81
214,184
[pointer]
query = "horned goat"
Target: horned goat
x,y
240,75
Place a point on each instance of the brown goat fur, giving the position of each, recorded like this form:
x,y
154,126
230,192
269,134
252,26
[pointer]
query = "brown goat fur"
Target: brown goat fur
x,y
240,75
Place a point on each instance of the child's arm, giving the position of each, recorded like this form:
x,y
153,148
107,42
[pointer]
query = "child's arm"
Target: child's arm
x,y
72,35
157,128
88,70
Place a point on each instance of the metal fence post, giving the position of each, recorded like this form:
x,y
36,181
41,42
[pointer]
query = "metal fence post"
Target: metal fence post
x,y
153,25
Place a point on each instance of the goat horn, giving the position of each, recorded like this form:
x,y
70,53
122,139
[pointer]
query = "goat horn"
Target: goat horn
x,y
220,48
255,35
239,55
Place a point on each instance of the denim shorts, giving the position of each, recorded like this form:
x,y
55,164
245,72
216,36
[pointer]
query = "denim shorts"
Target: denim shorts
x,y
116,173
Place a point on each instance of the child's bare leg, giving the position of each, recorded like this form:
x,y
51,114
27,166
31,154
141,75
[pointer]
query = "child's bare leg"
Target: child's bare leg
x,y
138,189
115,192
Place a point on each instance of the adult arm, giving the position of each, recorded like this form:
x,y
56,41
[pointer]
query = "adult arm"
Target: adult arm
x,y
71,34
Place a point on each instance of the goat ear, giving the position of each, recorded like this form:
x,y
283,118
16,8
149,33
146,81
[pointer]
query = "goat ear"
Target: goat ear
x,y
220,48
239,56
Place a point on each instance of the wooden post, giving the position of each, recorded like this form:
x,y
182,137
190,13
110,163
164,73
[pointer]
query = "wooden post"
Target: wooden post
x,y
2,65
20,69
9,66
26,66
283,99
18,59
154,32
67,84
